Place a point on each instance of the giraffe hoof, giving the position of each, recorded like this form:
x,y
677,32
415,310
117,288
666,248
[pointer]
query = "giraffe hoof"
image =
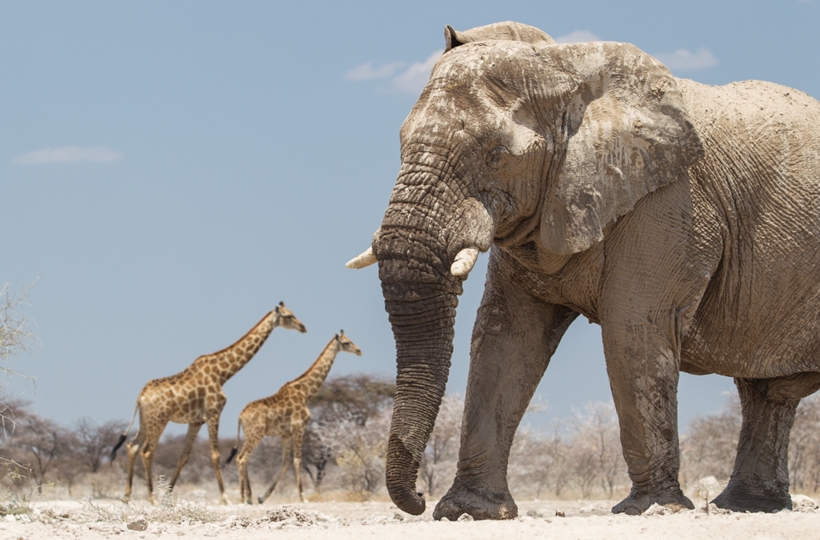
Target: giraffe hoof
x,y
260,499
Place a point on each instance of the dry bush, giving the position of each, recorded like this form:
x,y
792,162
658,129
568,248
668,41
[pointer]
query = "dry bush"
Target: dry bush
x,y
169,509
345,452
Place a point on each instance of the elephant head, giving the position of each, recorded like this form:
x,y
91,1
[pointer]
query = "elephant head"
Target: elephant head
x,y
511,135
503,31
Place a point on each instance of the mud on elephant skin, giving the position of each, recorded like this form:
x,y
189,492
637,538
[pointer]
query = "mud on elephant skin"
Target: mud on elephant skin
x,y
682,218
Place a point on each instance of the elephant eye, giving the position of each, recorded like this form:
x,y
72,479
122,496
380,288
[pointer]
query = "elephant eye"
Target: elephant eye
x,y
496,157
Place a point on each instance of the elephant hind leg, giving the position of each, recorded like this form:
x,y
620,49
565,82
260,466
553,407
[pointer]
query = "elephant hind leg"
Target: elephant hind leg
x,y
760,479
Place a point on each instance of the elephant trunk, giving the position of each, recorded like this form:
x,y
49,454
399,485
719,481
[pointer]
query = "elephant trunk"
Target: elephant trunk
x,y
423,330
424,256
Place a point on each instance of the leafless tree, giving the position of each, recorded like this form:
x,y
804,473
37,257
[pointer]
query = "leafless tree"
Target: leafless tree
x,y
709,444
360,451
94,441
438,463
597,447
36,442
539,462
581,454
70,467
15,337
350,398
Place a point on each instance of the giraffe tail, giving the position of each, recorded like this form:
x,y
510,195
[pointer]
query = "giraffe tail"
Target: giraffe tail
x,y
236,444
124,434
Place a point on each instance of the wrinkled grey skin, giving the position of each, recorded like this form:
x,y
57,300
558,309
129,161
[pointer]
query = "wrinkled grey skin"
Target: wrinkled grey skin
x,y
682,218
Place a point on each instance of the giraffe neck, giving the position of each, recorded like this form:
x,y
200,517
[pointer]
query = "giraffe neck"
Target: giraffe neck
x,y
312,379
231,359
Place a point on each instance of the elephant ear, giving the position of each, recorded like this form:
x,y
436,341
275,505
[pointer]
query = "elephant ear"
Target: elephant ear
x,y
626,133
503,31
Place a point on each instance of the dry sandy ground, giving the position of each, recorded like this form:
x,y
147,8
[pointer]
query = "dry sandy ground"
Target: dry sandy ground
x,y
329,520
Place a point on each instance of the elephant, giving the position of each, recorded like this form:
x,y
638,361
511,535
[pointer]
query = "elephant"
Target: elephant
x,y
682,218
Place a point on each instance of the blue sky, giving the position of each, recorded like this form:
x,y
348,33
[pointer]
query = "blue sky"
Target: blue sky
x,y
172,170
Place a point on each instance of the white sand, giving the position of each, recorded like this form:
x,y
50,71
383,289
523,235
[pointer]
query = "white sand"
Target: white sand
x,y
357,521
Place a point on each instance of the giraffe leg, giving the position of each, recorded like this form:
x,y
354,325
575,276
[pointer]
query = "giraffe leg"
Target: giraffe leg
x,y
133,447
244,482
149,447
213,434
252,439
285,464
298,434
193,429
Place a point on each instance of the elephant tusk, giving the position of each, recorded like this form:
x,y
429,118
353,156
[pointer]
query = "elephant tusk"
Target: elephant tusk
x,y
365,259
465,260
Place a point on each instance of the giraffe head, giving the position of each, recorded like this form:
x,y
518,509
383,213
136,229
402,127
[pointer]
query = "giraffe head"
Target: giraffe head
x,y
346,345
286,319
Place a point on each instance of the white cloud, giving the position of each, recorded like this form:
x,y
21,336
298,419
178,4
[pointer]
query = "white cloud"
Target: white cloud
x,y
683,60
366,71
410,80
578,36
413,79
69,154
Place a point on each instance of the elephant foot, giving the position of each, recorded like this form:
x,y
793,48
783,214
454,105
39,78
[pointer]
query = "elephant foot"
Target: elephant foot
x,y
741,496
480,503
639,501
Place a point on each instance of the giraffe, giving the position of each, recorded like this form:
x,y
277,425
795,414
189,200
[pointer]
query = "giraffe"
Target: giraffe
x,y
285,414
194,397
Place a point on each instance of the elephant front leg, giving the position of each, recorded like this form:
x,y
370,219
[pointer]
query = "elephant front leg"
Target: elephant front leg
x,y
513,340
760,479
643,374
